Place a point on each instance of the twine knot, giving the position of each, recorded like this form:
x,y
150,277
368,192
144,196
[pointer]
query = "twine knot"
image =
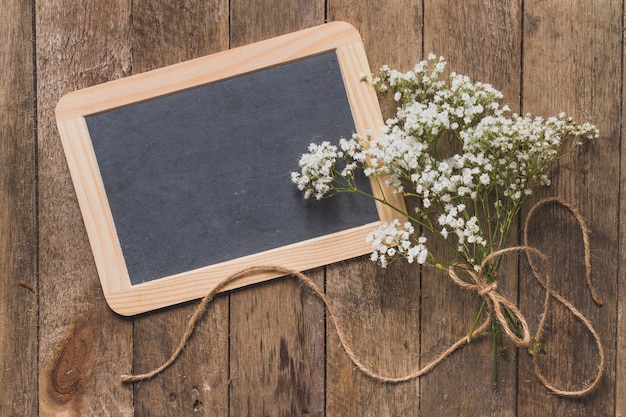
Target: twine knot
x,y
487,288
497,303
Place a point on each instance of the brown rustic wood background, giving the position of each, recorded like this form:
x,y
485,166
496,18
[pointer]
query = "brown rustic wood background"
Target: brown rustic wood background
x,y
268,350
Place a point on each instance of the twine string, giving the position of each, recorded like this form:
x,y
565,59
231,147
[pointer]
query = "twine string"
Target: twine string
x,y
585,238
550,292
496,303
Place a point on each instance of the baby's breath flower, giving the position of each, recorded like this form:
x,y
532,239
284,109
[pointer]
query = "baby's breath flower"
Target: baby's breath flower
x,y
395,240
468,198
317,166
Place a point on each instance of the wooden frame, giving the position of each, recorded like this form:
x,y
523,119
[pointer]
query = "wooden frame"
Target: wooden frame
x,y
128,299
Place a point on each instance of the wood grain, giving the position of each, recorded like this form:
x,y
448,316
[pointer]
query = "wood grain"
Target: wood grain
x,y
479,38
379,312
84,347
277,350
18,234
620,346
378,24
166,33
570,65
378,309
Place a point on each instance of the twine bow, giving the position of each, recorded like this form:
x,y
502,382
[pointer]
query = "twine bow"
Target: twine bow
x,y
496,302
497,305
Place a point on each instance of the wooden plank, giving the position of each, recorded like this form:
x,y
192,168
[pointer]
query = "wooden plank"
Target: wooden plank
x,y
276,328
391,30
166,33
277,349
378,309
620,377
257,20
197,383
18,245
481,39
570,64
84,346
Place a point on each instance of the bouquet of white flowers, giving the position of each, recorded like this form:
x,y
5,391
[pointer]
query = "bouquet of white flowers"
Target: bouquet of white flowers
x,y
467,162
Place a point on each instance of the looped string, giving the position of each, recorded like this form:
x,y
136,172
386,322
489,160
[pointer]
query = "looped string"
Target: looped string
x,y
585,238
550,292
496,302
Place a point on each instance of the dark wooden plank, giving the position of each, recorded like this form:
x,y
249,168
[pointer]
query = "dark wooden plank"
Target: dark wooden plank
x,y
620,377
377,308
253,21
570,64
276,328
18,244
391,30
482,40
197,383
479,38
165,33
84,346
277,349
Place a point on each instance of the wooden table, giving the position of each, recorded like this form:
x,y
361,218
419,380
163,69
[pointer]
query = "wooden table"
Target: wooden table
x,y
269,350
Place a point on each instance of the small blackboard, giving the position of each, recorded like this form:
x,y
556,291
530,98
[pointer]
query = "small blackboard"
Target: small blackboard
x,y
202,176
183,173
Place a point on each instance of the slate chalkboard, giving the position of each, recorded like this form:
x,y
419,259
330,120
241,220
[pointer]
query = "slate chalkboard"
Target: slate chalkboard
x,y
183,173
202,176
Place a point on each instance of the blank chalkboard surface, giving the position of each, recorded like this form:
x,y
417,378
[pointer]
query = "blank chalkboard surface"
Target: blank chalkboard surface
x,y
183,173
203,176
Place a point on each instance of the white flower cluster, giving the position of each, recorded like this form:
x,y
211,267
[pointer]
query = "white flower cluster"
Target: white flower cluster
x,y
391,240
318,166
469,161
518,150
465,229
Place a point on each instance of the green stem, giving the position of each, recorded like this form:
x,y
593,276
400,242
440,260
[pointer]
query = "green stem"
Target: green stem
x,y
495,332
476,319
